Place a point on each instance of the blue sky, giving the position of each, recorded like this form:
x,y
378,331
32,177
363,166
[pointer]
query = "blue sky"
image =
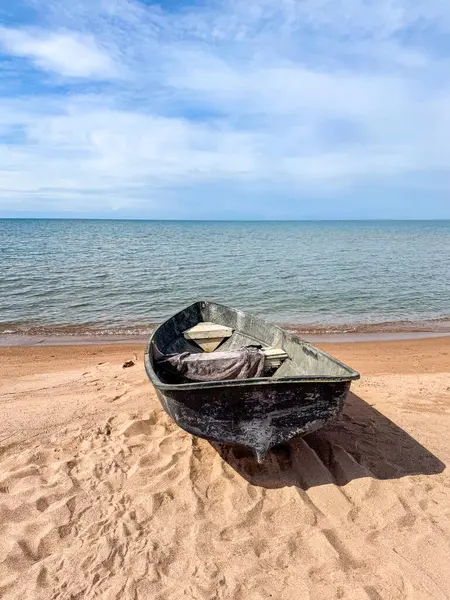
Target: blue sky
x,y
232,109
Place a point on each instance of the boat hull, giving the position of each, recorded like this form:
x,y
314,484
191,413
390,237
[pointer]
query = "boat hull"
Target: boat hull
x,y
258,417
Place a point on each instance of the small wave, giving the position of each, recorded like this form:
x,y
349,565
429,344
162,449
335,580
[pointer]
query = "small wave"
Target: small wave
x,y
438,325
75,329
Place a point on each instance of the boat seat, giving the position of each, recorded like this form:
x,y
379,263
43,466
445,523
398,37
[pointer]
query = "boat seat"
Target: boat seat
x,y
274,357
208,336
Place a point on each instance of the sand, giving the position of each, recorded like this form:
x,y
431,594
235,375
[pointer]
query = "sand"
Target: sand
x,y
103,496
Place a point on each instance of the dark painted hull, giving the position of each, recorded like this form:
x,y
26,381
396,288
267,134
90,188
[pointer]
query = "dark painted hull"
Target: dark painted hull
x,y
257,413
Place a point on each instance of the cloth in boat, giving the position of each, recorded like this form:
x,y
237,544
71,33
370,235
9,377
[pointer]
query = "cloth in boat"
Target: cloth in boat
x,y
216,366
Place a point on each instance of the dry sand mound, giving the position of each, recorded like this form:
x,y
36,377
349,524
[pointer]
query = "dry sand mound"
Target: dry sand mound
x,y
116,502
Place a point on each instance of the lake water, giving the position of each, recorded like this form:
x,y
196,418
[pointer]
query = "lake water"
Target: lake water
x,y
79,277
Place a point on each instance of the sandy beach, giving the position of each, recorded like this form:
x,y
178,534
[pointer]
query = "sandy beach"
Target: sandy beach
x,y
103,496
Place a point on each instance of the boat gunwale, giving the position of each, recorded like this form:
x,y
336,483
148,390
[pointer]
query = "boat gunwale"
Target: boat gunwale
x,y
199,385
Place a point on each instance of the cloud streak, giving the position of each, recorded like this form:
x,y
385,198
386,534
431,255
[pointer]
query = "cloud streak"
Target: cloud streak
x,y
139,109
64,53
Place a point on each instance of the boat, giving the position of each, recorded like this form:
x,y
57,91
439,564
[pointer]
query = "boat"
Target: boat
x,y
297,388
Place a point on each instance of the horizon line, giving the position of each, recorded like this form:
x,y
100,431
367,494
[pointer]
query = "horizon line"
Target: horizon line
x,y
146,219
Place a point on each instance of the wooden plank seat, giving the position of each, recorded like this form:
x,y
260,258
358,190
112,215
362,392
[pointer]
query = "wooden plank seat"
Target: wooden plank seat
x,y
208,336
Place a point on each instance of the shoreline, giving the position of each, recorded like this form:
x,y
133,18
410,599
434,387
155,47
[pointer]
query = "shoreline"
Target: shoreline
x,y
10,340
62,334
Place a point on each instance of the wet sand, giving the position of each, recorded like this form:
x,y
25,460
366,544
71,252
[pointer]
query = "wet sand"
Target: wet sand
x,y
103,496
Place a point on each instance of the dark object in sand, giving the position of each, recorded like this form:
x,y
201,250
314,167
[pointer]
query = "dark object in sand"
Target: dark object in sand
x,y
127,364
302,394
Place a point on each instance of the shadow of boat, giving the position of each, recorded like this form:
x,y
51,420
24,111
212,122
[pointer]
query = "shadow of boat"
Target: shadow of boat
x,y
362,443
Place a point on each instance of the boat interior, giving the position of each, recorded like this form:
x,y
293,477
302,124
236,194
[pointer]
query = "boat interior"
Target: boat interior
x,y
286,356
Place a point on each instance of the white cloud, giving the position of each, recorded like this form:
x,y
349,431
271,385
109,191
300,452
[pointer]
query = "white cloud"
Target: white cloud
x,y
64,53
307,98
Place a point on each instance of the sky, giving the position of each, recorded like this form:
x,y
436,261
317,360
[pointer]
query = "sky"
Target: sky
x,y
255,109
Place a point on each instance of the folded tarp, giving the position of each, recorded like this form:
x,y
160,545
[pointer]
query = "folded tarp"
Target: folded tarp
x,y
215,366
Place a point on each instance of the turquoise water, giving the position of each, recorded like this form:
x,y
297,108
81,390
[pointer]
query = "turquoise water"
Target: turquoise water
x,y
84,276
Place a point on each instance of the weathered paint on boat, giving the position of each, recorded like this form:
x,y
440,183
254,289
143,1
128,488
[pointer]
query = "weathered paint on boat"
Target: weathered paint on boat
x,y
305,393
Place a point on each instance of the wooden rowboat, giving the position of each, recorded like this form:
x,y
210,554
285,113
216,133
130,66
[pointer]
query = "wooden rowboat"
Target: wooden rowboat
x,y
299,393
